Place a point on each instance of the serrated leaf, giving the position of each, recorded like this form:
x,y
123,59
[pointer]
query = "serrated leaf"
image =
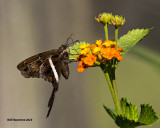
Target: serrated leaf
x,y
74,50
147,115
129,110
131,38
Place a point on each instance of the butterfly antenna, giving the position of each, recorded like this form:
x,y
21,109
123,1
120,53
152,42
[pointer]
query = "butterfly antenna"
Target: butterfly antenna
x,y
69,38
73,42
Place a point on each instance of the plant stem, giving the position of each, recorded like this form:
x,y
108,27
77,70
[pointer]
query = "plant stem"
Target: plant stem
x,y
107,76
116,33
116,95
113,80
106,31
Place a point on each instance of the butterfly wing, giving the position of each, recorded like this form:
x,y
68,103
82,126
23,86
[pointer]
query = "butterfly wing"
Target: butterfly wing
x,y
31,66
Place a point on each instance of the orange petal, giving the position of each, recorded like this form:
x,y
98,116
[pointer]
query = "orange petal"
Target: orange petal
x,y
99,42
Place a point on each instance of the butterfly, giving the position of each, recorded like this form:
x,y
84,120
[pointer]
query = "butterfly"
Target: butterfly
x,y
49,65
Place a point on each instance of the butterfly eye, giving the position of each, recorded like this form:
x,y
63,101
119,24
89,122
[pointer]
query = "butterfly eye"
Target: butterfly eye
x,y
65,55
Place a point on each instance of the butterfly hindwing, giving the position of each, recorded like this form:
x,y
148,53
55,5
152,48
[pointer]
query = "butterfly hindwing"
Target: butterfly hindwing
x,y
46,72
65,70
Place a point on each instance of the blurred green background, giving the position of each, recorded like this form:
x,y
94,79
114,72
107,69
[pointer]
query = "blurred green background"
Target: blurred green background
x,y
28,27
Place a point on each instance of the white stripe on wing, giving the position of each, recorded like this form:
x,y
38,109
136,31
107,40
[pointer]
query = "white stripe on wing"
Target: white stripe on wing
x,y
54,70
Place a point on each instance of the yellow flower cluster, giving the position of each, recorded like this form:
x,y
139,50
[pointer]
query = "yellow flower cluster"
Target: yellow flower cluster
x,y
98,53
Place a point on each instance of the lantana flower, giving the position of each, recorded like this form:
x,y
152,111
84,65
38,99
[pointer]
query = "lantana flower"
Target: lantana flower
x,y
98,53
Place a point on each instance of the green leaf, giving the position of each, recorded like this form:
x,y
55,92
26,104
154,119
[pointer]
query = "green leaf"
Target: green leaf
x,y
131,38
112,113
130,117
147,115
129,110
74,50
123,122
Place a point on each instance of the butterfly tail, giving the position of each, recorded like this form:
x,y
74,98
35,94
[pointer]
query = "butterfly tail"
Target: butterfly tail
x,y
51,100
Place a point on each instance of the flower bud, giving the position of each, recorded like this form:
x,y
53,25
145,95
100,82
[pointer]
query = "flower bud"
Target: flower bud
x,y
117,20
104,18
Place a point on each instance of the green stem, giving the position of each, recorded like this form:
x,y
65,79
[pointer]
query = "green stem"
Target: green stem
x,y
116,95
106,31
113,80
116,33
107,76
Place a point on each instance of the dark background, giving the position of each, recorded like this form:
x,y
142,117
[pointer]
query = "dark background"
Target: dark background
x,y
28,27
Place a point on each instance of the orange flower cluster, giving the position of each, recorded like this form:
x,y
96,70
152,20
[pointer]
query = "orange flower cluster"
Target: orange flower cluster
x,y
97,54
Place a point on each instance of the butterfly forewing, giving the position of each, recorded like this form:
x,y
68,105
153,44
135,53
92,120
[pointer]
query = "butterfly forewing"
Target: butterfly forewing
x,y
21,66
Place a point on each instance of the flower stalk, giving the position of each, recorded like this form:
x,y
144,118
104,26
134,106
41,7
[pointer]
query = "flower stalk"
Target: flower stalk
x,y
116,33
106,31
108,75
116,94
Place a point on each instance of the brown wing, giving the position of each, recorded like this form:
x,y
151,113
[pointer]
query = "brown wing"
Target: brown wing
x,y
31,66
38,66
21,66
